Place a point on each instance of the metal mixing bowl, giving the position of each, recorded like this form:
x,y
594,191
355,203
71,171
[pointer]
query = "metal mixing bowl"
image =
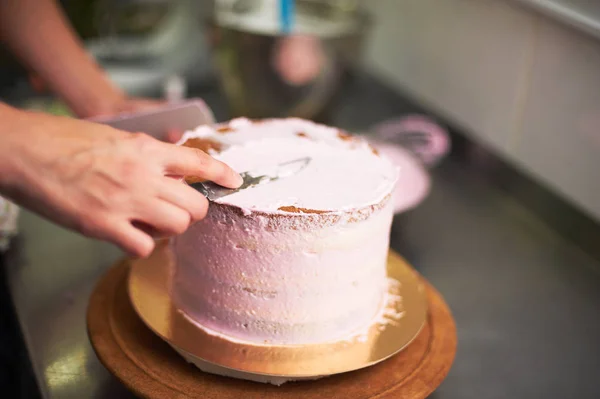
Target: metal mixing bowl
x,y
245,42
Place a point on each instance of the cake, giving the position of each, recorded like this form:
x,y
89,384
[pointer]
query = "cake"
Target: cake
x,y
297,261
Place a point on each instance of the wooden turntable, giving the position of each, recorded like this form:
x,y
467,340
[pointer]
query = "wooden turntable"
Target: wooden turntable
x,y
150,368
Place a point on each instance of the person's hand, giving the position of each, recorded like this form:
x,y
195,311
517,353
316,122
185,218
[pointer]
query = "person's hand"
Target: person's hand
x,y
110,102
105,183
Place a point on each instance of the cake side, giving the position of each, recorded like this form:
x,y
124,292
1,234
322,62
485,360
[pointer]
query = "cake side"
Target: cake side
x,y
237,277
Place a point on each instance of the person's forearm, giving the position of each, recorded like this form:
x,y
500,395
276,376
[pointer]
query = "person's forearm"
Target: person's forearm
x,y
39,34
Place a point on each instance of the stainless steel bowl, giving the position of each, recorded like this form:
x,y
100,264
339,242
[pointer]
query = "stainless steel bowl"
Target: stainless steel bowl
x,y
246,40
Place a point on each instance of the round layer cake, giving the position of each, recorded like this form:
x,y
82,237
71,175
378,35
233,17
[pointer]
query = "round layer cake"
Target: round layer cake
x,y
296,261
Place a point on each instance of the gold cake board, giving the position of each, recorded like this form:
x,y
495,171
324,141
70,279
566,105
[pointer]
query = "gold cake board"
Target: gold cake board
x,y
149,367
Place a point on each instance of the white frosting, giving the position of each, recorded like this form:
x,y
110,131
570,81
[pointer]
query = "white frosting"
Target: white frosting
x,y
282,277
342,175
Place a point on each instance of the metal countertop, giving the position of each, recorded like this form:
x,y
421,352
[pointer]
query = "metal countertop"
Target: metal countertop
x,y
526,300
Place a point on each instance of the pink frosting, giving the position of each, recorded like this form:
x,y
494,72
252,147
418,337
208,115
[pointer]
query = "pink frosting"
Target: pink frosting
x,y
342,175
290,278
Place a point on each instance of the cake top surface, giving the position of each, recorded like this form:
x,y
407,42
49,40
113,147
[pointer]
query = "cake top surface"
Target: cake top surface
x,y
344,173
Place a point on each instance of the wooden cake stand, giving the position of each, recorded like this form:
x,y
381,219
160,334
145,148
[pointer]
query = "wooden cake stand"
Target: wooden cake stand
x,y
150,368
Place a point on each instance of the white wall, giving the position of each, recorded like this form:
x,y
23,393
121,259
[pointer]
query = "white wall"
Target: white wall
x,y
521,83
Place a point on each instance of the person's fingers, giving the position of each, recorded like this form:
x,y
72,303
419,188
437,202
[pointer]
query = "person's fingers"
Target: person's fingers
x,y
185,197
130,239
164,217
188,161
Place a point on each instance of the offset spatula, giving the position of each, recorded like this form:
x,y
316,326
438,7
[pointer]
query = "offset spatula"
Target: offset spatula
x,y
213,191
159,121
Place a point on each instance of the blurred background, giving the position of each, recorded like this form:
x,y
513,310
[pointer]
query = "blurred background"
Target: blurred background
x,y
520,77
515,82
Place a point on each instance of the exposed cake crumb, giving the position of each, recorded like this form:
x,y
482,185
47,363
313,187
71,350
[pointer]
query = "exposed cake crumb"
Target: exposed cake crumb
x,y
345,136
374,150
204,144
225,129
294,209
